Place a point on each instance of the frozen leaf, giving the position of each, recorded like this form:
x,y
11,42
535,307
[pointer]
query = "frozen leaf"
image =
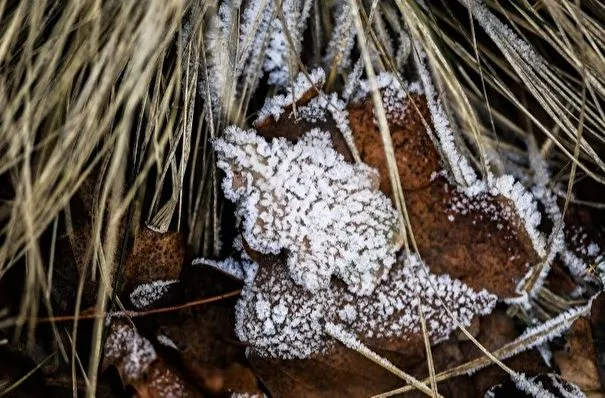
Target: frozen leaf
x,y
306,199
140,366
479,239
147,294
279,319
128,351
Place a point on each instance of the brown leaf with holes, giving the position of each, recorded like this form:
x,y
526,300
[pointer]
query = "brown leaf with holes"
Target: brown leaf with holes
x,y
465,237
154,256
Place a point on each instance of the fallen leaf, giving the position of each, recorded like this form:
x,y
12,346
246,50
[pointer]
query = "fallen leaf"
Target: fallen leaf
x,y
478,240
577,362
154,256
140,365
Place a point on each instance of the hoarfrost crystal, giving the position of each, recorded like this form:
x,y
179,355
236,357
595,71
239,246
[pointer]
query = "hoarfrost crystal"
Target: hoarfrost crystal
x,y
306,199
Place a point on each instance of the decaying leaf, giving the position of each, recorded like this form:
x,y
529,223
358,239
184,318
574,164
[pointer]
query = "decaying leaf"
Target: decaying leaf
x,y
140,366
155,256
479,239
577,362
544,385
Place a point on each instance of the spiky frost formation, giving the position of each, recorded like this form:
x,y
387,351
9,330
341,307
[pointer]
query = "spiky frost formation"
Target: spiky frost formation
x,y
280,56
306,199
342,38
392,311
279,319
146,294
125,346
274,106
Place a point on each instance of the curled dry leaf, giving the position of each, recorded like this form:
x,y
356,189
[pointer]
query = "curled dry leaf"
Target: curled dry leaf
x,y
140,366
477,239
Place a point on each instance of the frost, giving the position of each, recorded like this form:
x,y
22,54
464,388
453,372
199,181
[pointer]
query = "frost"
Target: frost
x,y
342,39
393,308
463,173
166,341
125,346
279,55
279,319
146,294
556,386
532,387
315,111
274,106
229,266
304,198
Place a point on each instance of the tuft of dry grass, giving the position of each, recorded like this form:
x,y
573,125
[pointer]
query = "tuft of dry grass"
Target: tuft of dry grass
x,y
127,92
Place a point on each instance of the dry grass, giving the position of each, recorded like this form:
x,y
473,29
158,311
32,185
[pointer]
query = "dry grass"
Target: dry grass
x,y
124,91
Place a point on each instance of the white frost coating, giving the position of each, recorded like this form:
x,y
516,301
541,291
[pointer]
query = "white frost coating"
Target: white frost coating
x,y
166,341
299,334
279,55
342,38
127,348
315,111
229,266
304,198
462,171
565,388
388,82
146,294
526,207
279,319
274,106
530,386
392,311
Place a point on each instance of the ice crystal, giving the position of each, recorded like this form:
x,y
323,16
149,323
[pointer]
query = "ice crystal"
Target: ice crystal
x,y
304,198
146,294
463,173
394,95
279,319
342,38
229,266
279,55
275,106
